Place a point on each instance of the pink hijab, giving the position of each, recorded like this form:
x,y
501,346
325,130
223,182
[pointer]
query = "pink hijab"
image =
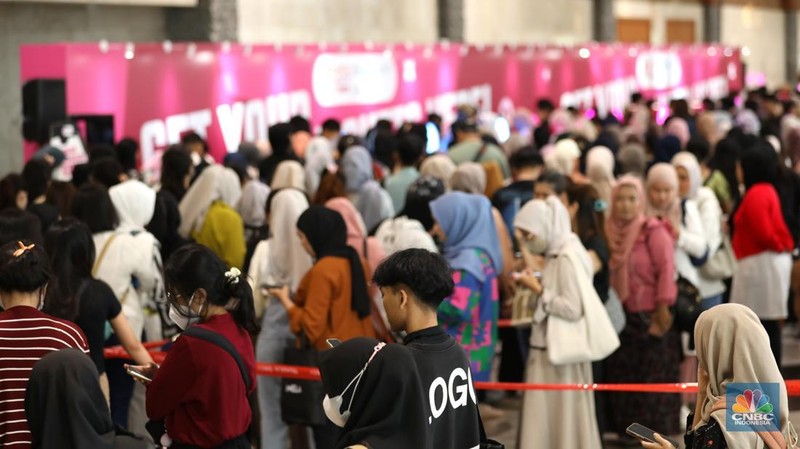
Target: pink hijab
x,y
357,233
622,235
671,213
680,129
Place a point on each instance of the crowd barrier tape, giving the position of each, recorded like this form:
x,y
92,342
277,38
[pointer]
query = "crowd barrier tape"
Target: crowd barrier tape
x,y
311,373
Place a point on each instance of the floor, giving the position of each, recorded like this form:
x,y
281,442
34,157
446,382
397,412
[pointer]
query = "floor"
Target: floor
x,y
505,429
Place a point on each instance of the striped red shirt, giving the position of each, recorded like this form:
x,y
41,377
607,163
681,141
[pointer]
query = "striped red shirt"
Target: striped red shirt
x,y
27,335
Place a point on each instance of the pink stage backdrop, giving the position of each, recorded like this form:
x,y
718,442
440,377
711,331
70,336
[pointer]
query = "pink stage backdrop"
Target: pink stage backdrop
x,y
232,93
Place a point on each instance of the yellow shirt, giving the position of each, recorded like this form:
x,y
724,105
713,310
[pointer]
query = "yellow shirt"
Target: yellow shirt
x,y
223,233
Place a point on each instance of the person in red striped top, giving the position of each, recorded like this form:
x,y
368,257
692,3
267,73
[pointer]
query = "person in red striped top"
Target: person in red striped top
x,y
26,334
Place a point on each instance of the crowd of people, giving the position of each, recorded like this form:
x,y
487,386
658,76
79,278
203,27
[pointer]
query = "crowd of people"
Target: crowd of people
x,y
392,268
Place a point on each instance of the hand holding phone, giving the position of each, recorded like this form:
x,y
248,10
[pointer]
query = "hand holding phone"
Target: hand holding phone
x,y
142,374
650,440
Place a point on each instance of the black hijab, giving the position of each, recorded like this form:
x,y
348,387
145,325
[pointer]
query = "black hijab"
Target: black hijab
x,y
388,410
327,233
65,406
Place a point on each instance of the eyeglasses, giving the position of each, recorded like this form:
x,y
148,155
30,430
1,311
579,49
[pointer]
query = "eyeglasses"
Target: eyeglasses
x,y
173,297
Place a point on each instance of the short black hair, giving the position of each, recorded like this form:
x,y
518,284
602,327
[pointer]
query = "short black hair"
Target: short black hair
x,y
728,103
126,152
26,272
545,105
410,149
175,165
107,172
556,179
636,97
298,124
192,138
331,125
525,157
18,225
92,205
37,175
700,147
10,187
425,273
465,126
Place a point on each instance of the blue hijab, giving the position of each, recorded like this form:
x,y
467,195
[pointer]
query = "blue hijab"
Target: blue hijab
x,y
467,221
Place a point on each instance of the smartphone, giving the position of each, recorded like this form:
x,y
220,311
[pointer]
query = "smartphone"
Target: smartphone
x,y
642,433
136,374
333,342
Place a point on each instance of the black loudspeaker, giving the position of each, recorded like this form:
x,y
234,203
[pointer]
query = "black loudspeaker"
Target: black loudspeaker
x,y
44,101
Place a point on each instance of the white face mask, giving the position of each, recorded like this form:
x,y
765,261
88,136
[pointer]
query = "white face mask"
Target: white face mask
x,y
182,315
333,406
537,245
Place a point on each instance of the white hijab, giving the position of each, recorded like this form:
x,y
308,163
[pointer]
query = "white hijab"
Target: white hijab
x,y
134,202
289,175
548,219
287,261
253,202
688,162
214,183
563,157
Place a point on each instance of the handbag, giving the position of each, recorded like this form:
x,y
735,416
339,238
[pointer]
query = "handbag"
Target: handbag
x,y
591,337
721,264
687,306
301,400
522,305
615,310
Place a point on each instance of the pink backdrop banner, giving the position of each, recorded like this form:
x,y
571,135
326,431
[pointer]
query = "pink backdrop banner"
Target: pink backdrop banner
x,y
232,93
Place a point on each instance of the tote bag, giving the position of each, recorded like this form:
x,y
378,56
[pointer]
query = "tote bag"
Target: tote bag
x,y
590,338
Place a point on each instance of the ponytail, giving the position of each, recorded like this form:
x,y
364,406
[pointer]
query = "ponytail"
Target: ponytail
x,y
243,309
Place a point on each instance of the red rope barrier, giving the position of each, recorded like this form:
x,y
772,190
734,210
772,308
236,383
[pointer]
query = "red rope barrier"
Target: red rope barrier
x,y
311,373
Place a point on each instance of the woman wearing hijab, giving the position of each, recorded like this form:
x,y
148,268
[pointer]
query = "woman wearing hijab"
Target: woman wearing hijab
x,y
369,249
464,223
678,127
373,203
373,395
67,410
289,175
280,260
209,217
643,275
439,166
411,227
251,208
763,245
564,158
543,228
469,177
692,192
732,347
600,171
632,159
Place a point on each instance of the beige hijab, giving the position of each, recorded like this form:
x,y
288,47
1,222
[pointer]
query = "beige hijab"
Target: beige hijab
x,y
470,177
289,175
733,346
439,166
215,183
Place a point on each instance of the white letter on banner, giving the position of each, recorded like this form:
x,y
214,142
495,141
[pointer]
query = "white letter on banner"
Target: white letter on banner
x,y
231,119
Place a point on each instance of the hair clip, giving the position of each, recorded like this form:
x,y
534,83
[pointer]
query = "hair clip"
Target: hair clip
x,y
232,275
22,248
600,205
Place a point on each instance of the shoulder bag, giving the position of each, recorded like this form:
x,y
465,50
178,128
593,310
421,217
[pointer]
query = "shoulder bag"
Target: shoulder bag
x,y
591,337
301,400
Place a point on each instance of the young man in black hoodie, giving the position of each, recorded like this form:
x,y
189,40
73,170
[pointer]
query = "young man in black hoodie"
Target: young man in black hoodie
x,y
413,284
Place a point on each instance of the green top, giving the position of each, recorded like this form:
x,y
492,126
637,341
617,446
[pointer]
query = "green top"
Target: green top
x,y
466,152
